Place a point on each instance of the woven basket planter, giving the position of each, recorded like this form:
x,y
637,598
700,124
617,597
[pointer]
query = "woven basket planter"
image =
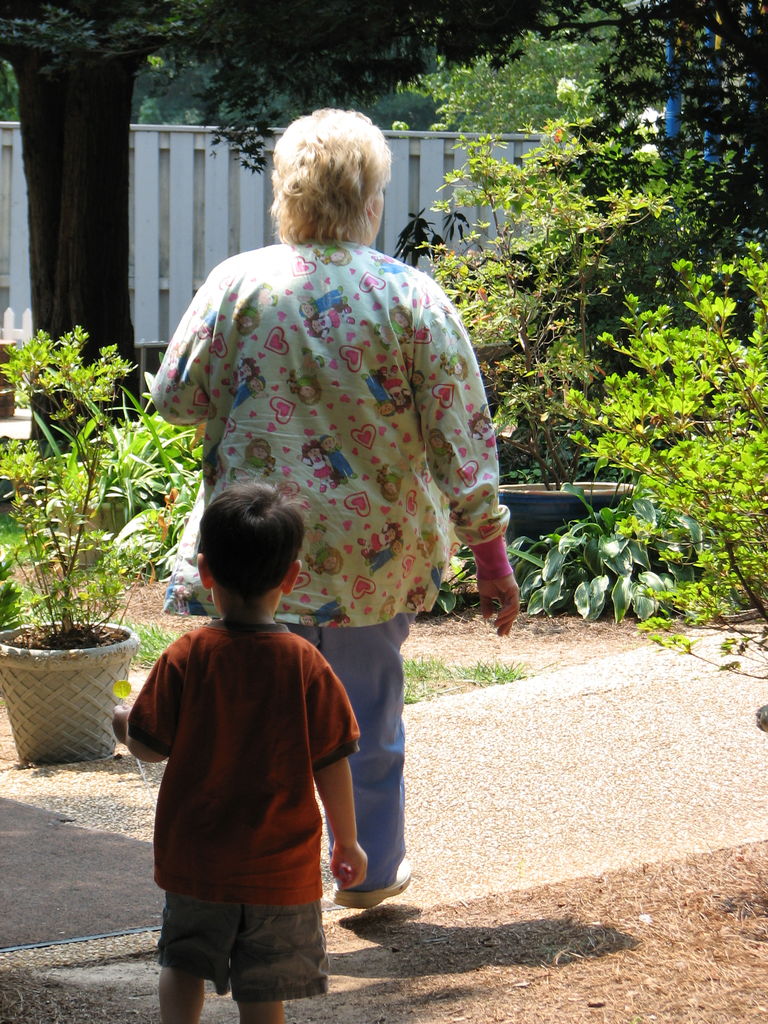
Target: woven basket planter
x,y
60,702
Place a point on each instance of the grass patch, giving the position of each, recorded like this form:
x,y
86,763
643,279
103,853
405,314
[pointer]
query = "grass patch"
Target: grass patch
x,y
11,534
153,640
426,678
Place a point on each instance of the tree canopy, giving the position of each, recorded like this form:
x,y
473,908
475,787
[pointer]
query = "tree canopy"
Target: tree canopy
x,y
76,62
552,79
710,58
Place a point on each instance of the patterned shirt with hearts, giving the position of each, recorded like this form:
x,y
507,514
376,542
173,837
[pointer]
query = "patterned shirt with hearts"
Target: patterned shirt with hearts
x,y
346,378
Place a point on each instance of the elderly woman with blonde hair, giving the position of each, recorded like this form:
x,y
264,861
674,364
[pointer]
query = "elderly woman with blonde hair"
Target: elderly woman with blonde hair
x,y
403,477
330,171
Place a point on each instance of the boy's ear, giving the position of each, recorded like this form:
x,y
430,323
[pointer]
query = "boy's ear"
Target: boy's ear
x,y
289,582
205,573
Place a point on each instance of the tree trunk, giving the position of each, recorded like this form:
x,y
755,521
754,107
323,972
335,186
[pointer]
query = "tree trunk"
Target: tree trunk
x,y
75,133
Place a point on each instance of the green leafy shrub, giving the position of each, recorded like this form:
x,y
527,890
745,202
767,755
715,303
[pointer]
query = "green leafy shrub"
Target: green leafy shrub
x,y
691,418
11,534
157,529
9,594
525,279
628,559
150,483
459,588
149,457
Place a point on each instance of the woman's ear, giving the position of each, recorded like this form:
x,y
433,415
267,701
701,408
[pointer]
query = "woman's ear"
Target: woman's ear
x,y
374,211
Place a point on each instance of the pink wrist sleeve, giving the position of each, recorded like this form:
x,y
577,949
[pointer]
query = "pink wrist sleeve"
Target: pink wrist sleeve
x,y
491,559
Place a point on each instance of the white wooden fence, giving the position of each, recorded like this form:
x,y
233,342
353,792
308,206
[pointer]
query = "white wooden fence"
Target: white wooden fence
x,y
192,205
10,332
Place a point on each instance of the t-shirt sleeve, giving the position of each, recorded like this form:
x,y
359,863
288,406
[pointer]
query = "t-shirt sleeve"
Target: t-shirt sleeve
x,y
154,716
336,755
333,729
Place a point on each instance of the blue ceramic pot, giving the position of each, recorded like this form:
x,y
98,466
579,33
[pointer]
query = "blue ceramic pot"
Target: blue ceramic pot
x,y
534,511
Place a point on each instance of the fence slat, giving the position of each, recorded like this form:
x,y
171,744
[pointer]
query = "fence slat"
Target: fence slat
x,y
9,330
19,291
216,209
181,227
396,196
146,236
254,220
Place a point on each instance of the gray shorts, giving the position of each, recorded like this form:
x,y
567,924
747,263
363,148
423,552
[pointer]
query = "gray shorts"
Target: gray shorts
x,y
266,953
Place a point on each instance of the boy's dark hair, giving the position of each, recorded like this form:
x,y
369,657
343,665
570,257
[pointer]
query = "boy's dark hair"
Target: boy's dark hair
x,y
249,535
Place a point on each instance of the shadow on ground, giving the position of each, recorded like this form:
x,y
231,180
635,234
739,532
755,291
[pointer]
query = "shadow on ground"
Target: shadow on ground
x,y
424,947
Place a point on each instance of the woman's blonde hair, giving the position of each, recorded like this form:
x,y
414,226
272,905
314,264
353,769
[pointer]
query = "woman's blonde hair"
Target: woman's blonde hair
x,y
329,167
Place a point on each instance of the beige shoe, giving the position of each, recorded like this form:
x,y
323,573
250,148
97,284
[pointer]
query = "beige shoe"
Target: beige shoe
x,y
359,899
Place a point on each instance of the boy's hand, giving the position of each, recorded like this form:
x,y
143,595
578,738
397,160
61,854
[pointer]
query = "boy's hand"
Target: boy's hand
x,y
349,864
120,722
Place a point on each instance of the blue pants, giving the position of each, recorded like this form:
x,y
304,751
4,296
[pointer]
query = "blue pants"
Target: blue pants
x,y
367,659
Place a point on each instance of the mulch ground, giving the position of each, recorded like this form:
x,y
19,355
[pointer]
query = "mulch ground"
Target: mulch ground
x,y
685,942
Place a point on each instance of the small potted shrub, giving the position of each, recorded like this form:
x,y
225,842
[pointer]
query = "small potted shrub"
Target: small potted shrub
x,y
57,670
524,280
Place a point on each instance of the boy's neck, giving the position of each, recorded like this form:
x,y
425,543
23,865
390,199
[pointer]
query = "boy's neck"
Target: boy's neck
x,y
247,620
258,612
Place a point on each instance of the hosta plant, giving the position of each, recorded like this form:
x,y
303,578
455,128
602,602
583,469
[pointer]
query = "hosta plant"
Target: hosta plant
x,y
624,560
150,483
148,457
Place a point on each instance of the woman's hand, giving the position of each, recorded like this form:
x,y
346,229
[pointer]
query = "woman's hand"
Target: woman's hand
x,y
504,592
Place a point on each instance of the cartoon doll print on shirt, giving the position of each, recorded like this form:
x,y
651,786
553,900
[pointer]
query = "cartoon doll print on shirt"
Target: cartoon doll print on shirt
x,y
332,612
390,483
247,315
324,314
306,383
390,391
382,547
321,557
258,455
208,323
454,365
333,255
312,455
339,465
250,382
481,427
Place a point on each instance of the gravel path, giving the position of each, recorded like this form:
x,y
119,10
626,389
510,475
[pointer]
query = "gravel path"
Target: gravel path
x,y
640,757
635,758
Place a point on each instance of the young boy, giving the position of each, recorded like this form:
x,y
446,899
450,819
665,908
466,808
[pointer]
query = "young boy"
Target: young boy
x,y
250,717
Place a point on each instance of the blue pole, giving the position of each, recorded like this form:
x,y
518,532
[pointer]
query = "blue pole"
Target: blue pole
x,y
674,100
712,139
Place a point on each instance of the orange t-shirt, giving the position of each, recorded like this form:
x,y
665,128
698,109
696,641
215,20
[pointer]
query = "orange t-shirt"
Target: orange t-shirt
x,y
245,715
